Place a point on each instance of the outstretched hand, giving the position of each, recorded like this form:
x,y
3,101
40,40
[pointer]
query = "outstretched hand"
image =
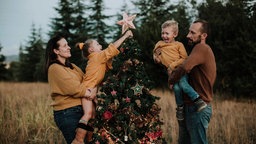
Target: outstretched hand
x,y
128,34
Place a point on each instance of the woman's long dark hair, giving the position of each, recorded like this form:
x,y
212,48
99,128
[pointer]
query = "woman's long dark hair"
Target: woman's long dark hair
x,y
50,56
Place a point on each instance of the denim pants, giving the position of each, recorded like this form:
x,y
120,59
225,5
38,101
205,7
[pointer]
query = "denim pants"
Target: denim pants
x,y
193,130
67,120
183,86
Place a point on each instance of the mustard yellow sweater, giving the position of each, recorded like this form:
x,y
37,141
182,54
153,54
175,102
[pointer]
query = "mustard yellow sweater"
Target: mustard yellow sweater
x,y
66,86
97,66
172,54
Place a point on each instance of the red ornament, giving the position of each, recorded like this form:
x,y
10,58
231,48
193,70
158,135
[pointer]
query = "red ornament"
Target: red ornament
x,y
121,49
107,115
128,99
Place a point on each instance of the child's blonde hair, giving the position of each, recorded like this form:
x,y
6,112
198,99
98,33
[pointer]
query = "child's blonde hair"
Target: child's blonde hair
x,y
171,23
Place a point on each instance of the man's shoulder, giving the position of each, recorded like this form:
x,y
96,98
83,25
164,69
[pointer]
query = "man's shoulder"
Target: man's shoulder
x,y
202,45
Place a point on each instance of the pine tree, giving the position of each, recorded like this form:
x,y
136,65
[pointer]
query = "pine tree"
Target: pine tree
x,y
3,70
97,27
71,24
30,56
232,40
126,111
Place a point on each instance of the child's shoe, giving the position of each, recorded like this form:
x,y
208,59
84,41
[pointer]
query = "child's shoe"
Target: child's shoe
x,y
200,104
180,113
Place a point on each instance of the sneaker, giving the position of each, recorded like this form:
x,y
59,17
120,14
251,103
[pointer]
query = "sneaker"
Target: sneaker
x,y
200,104
180,113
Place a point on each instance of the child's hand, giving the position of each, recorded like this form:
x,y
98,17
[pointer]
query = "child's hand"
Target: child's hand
x,y
158,51
129,34
156,54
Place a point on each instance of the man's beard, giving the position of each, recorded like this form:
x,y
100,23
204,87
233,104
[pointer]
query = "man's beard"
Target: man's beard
x,y
192,43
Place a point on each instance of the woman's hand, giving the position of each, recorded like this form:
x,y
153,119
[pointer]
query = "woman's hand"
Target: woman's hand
x,y
91,93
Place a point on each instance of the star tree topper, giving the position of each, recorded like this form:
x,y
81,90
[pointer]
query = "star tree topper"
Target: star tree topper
x,y
126,22
137,89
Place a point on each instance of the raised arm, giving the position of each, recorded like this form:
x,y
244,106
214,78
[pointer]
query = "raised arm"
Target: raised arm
x,y
123,38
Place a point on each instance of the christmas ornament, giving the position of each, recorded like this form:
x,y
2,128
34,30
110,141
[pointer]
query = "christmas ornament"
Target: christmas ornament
x,y
116,102
137,89
126,22
121,49
127,99
126,65
138,102
107,115
108,134
113,93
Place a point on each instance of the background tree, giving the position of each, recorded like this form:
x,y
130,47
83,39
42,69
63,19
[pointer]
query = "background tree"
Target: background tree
x,y
14,71
71,23
232,41
30,57
97,27
3,70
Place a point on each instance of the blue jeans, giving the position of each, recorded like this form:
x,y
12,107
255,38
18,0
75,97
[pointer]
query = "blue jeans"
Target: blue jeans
x,y
67,120
193,130
183,86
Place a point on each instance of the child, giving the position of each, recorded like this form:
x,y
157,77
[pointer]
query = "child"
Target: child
x,y
172,53
98,62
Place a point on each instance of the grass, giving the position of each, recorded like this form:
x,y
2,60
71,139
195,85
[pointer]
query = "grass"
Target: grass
x,y
26,117
233,121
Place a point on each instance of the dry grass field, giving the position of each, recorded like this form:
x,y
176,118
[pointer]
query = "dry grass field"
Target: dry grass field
x,y
26,117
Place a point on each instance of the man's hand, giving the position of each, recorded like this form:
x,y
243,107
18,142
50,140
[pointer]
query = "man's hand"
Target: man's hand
x,y
171,86
156,59
156,54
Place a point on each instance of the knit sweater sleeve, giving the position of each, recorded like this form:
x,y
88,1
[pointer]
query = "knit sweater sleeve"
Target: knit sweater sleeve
x,y
195,58
108,53
182,54
65,81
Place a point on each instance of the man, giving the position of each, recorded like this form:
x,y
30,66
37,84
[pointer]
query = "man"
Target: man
x,y
201,67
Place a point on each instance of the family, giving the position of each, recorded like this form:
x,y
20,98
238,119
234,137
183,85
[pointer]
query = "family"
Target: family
x,y
191,77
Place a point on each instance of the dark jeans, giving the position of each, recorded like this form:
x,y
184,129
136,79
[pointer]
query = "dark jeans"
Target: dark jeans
x,y
193,130
67,121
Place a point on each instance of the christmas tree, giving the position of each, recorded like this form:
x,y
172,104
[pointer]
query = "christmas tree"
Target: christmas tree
x,y
126,111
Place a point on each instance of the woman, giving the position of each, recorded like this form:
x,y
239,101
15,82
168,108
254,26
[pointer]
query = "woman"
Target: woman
x,y
66,89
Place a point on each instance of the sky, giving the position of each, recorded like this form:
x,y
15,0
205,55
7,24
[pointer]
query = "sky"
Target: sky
x,y
17,17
